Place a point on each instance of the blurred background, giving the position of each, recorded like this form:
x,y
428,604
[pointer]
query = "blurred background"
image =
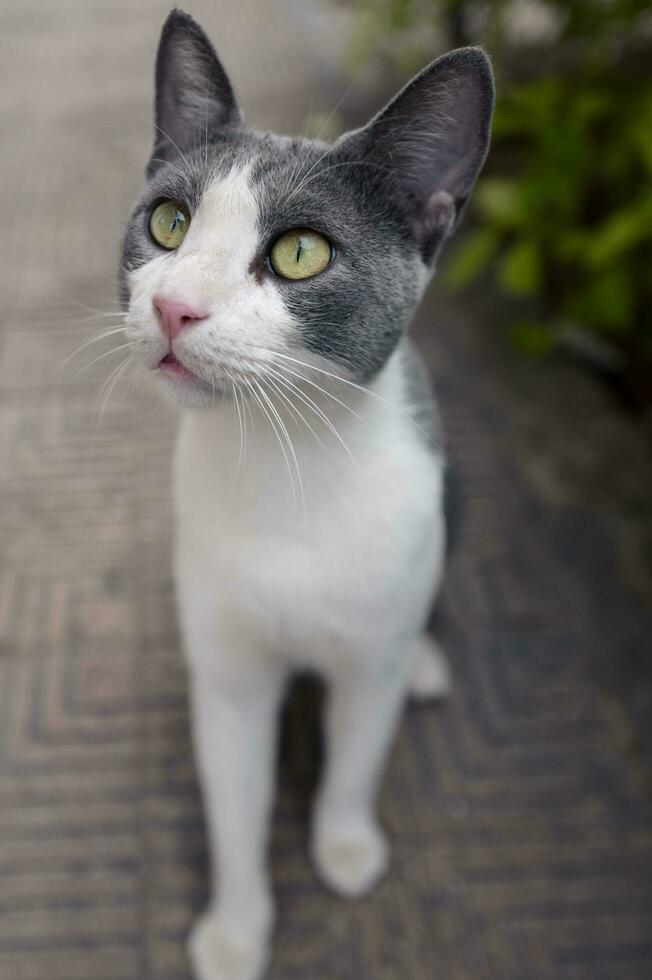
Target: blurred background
x,y
519,811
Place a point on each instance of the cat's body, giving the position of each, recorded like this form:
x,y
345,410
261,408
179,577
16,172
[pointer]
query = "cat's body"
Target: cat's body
x,y
308,572
342,585
309,489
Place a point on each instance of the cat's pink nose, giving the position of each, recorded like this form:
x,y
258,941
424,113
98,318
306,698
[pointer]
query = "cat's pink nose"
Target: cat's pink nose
x,y
175,315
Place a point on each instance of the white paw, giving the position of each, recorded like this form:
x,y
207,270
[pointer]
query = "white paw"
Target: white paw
x,y
221,952
350,859
431,679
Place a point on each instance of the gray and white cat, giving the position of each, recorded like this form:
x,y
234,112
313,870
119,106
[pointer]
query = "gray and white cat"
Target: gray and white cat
x,y
269,282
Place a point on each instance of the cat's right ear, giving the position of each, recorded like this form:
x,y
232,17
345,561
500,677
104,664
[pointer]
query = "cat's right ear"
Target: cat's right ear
x,y
193,92
430,142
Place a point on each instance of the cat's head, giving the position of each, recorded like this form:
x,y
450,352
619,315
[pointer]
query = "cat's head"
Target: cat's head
x,y
246,247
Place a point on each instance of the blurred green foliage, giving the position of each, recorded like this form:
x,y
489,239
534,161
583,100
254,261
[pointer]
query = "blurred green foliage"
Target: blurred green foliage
x,y
572,224
564,210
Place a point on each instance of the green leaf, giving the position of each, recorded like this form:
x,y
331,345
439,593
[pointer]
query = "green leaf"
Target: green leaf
x,y
621,231
532,338
471,257
607,301
520,270
571,245
499,200
642,141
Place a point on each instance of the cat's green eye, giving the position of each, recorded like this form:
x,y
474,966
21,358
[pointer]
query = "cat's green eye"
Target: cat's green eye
x,y
300,254
169,223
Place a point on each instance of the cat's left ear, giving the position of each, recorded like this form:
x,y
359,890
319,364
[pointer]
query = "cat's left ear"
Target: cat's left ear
x,y
429,144
193,92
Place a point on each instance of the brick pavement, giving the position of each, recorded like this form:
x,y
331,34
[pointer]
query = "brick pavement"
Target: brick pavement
x,y
519,813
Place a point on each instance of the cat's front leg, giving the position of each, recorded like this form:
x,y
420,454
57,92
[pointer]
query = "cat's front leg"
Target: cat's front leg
x,y
348,846
235,726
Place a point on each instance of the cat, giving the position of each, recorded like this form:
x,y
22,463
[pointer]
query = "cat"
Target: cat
x,y
268,284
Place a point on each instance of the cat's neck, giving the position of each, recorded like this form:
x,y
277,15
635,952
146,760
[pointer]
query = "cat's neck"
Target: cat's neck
x,y
312,406
266,446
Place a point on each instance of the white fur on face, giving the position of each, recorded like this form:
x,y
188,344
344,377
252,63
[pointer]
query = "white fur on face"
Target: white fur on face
x,y
212,272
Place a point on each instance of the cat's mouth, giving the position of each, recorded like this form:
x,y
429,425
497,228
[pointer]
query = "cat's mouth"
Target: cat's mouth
x,y
172,366
183,379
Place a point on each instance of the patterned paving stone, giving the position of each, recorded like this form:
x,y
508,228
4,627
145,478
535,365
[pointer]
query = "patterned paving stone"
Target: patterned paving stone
x,y
519,812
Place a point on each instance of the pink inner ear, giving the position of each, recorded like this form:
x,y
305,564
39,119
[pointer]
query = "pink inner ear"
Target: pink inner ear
x,y
439,215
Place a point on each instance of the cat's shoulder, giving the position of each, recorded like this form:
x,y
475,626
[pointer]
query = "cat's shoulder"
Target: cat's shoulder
x,y
418,395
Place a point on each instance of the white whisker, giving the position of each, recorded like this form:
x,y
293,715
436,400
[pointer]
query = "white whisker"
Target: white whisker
x,y
296,414
312,405
328,149
287,438
302,377
275,430
236,402
357,387
163,133
114,350
109,384
87,343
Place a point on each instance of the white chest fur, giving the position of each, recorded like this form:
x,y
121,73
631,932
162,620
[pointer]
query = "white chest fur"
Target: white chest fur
x,y
314,555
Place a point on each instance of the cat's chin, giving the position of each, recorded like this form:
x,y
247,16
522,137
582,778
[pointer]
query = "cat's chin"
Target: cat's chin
x,y
188,390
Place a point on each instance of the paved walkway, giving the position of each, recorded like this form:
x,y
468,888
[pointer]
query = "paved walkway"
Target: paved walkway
x,y
520,813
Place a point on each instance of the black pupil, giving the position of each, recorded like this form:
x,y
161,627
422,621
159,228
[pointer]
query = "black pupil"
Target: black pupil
x,y
177,220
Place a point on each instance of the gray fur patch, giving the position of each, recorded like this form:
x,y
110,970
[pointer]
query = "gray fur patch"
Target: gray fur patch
x,y
420,401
